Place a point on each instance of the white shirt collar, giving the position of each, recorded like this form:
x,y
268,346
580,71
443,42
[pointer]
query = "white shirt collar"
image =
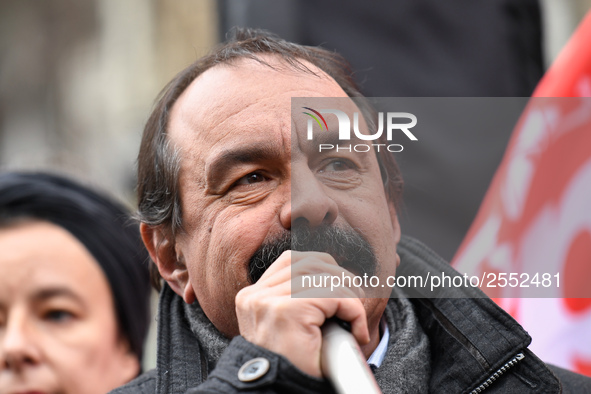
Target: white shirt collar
x,y
378,355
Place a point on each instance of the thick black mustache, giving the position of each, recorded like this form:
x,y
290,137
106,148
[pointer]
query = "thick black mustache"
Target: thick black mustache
x,y
349,249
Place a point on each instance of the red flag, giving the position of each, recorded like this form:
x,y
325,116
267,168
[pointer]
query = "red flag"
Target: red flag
x,y
536,215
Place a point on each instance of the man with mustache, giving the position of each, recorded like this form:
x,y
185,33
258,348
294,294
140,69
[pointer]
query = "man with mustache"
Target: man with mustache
x,y
237,206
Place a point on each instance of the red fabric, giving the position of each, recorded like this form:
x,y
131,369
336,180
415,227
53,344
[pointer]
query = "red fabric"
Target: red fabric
x,y
536,215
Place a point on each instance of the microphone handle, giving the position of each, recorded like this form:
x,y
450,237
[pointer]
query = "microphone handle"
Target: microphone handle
x,y
342,361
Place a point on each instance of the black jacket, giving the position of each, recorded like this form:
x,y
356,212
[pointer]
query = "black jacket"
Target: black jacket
x,y
475,347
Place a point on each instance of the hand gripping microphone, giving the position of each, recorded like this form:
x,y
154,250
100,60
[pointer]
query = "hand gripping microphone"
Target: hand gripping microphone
x,y
342,362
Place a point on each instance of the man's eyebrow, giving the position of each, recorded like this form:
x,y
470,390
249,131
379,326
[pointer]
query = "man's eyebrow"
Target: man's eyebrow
x,y
243,154
51,292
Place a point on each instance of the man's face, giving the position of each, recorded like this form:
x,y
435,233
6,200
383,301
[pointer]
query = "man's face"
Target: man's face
x,y
245,180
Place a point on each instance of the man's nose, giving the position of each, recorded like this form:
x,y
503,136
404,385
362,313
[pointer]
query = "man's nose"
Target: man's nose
x,y
310,204
18,343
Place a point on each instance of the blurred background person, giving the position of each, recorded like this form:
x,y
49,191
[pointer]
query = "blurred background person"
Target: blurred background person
x,y
74,288
78,79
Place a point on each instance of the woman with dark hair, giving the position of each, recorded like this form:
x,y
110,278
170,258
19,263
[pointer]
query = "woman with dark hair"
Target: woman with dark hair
x,y
74,288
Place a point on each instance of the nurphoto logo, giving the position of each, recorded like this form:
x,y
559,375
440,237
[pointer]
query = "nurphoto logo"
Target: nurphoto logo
x,y
392,124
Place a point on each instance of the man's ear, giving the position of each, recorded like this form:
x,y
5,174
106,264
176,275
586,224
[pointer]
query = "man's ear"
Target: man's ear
x,y
394,220
172,267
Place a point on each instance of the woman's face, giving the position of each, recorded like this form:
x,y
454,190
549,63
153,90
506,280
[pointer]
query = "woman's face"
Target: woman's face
x,y
58,329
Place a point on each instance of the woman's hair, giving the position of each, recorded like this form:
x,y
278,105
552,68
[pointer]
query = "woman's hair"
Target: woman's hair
x,y
102,226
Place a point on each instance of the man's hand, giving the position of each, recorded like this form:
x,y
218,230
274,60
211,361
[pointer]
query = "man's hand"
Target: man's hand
x,y
268,316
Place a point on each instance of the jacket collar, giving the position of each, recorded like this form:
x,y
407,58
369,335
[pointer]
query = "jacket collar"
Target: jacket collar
x,y
179,362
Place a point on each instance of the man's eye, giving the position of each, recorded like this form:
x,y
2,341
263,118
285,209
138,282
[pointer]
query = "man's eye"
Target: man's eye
x,y
253,177
58,316
338,165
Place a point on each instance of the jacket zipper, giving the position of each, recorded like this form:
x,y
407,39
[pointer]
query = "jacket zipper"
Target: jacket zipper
x,y
496,375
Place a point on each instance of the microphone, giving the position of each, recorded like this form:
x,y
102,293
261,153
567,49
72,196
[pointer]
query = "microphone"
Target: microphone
x,y
342,362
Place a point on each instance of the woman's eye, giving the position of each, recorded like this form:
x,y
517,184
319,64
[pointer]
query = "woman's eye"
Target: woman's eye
x,y
254,177
58,316
338,165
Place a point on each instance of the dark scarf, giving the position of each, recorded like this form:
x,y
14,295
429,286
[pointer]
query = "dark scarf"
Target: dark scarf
x,y
406,367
